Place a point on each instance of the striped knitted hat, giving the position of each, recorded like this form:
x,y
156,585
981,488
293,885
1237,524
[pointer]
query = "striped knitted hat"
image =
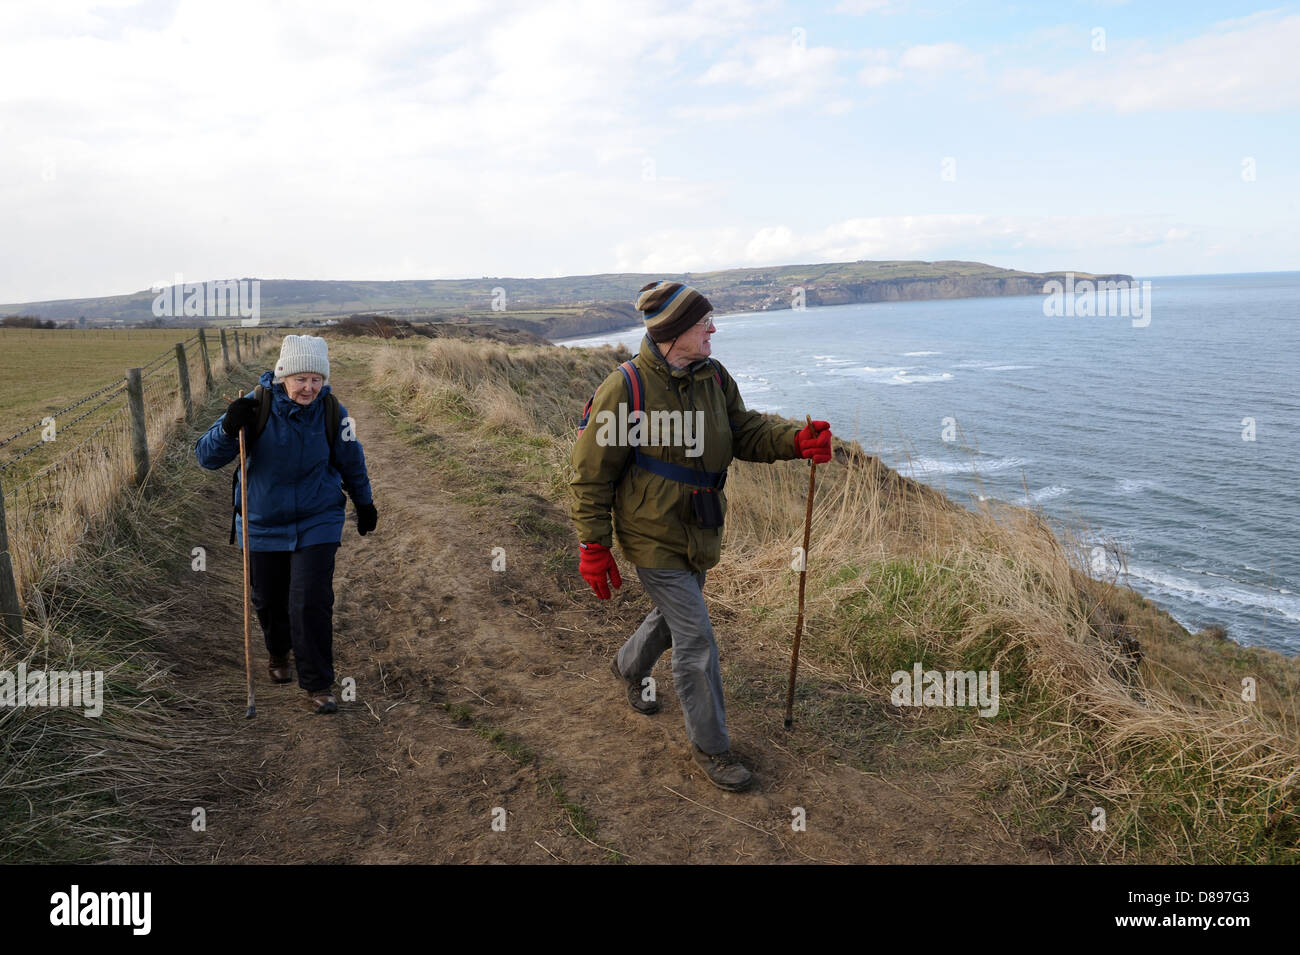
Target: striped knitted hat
x,y
670,308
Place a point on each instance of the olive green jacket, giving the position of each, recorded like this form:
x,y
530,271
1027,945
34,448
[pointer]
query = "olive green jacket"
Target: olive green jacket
x,y
653,516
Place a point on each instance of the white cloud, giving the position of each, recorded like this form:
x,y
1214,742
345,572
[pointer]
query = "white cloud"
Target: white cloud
x,y
922,61
326,139
938,56
783,72
859,7
1245,65
925,237
877,74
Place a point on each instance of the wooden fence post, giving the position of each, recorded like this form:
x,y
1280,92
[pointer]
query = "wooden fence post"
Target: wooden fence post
x,y
183,373
239,357
207,363
225,353
11,612
139,437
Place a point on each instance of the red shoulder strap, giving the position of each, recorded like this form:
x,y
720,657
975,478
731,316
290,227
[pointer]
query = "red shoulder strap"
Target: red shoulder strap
x,y
633,376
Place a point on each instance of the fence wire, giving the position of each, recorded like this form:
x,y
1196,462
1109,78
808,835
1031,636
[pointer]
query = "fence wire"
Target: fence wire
x,y
55,414
54,465
53,502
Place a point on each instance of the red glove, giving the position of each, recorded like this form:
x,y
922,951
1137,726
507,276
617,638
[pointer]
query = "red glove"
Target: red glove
x,y
815,442
595,564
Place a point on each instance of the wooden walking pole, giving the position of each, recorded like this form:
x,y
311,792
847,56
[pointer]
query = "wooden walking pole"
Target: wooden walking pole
x,y
243,521
803,576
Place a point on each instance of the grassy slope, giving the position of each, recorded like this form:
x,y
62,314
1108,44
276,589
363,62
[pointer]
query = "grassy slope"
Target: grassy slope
x,y
1105,701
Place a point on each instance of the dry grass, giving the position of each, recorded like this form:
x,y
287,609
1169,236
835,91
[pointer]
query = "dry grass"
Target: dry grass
x,y
494,385
1184,769
49,517
103,592
1105,702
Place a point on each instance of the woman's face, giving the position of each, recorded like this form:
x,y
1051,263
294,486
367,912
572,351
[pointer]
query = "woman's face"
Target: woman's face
x,y
303,388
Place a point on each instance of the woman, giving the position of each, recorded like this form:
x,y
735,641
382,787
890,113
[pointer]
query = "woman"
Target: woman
x,y
296,506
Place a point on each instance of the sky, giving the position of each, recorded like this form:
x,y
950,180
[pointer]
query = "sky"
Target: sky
x,y
393,140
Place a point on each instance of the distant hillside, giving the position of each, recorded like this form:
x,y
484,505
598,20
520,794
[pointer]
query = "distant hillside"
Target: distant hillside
x,y
578,304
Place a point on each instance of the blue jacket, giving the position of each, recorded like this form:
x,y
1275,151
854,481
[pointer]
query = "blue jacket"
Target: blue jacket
x,y
295,498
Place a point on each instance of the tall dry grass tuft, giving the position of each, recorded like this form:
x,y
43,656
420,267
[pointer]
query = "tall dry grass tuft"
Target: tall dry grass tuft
x,y
1105,702
511,388
46,519
103,592
899,575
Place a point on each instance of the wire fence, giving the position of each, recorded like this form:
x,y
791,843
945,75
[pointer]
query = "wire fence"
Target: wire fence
x,y
83,463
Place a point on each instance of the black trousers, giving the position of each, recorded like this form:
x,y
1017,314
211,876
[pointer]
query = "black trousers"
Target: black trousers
x,y
293,591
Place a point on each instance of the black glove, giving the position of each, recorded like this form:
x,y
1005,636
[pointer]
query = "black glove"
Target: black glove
x,y
367,518
242,413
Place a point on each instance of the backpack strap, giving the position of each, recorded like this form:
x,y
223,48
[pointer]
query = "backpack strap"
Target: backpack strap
x,y
679,472
635,386
586,415
263,398
636,399
635,389
333,422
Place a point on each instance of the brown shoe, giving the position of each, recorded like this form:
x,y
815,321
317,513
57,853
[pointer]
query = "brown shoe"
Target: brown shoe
x,y
648,707
322,701
724,770
278,669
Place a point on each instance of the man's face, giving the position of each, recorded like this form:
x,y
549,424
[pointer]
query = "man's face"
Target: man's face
x,y
692,344
303,388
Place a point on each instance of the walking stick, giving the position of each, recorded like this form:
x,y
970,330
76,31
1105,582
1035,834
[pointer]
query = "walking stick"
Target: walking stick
x,y
803,576
243,520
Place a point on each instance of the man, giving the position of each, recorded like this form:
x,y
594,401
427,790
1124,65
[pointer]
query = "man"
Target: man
x,y
668,505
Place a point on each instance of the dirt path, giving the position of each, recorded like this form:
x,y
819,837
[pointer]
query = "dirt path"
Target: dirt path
x,y
478,689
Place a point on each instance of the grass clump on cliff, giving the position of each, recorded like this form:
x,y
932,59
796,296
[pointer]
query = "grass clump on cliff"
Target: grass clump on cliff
x,y
1107,708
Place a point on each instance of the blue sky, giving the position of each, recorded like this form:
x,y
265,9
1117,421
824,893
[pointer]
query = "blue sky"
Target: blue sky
x,y
334,140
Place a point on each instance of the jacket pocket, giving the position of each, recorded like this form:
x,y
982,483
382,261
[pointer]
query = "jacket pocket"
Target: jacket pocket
x,y
629,496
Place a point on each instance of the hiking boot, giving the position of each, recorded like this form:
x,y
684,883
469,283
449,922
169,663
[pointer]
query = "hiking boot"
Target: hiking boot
x,y
724,770
647,707
278,669
322,701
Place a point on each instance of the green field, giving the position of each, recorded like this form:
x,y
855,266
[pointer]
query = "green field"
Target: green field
x,y
44,370
41,370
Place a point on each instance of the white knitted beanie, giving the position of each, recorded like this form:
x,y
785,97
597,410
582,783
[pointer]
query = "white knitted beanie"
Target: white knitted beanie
x,y
300,353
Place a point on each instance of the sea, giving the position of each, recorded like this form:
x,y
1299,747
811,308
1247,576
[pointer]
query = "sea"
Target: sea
x,y
1163,423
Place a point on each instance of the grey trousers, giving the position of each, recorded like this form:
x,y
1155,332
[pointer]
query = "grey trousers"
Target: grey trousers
x,y
680,620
